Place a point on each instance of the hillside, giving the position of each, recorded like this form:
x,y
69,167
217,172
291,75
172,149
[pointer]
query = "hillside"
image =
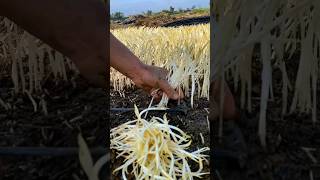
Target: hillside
x,y
200,15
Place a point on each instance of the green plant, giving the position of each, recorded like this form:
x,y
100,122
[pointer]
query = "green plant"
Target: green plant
x,y
117,16
200,10
171,9
149,13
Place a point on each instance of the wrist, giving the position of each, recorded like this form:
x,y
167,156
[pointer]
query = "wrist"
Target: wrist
x,y
137,73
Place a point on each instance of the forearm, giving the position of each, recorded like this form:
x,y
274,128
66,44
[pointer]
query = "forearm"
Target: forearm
x,y
148,77
76,28
123,60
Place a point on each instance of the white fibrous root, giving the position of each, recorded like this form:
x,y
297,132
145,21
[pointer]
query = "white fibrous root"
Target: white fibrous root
x,y
31,61
180,76
155,150
241,29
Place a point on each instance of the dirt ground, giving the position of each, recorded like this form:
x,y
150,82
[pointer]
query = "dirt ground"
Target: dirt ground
x,y
193,123
285,157
70,110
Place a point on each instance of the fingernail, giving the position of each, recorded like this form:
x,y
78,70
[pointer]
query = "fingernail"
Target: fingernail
x,y
153,93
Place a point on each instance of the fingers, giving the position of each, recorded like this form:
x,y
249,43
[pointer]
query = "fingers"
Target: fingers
x,y
230,110
155,82
156,94
169,91
181,94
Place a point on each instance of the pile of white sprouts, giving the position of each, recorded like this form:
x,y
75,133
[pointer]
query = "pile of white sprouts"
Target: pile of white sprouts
x,y
155,150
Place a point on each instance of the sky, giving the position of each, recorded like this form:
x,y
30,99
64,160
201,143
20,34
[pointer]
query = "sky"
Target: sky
x,y
131,7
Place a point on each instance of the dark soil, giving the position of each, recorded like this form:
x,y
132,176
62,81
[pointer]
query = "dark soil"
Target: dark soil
x,y
193,123
71,110
284,157
188,21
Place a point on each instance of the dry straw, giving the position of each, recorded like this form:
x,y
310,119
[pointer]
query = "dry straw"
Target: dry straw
x,y
278,28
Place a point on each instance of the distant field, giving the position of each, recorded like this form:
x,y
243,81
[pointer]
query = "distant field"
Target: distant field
x,y
160,18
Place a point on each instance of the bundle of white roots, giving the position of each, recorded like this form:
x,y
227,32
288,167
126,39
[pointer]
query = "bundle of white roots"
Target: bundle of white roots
x,y
179,77
155,149
31,60
276,30
184,51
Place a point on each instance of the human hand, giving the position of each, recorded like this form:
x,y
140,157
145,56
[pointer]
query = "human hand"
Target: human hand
x,y
230,111
153,80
